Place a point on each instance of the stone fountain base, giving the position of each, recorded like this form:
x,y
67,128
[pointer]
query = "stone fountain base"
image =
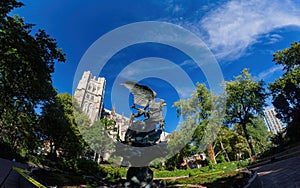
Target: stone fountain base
x,y
140,176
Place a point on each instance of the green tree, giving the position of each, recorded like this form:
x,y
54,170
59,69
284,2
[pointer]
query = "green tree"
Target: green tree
x,y
245,100
259,134
286,90
199,120
26,63
196,112
59,128
223,144
98,136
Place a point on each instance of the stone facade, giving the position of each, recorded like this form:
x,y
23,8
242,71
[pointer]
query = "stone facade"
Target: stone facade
x,y
90,95
122,123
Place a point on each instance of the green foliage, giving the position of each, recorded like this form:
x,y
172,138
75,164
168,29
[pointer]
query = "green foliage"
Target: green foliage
x,y
7,6
174,173
245,100
59,128
288,57
278,139
220,158
109,125
8,152
260,135
286,90
87,167
214,175
200,125
211,169
26,63
157,164
112,174
97,136
228,139
243,163
81,166
220,179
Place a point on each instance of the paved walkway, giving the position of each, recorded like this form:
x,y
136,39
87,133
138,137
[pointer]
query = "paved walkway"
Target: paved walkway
x,y
10,178
280,174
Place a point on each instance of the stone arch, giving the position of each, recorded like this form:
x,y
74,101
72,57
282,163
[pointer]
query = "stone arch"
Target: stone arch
x,y
85,107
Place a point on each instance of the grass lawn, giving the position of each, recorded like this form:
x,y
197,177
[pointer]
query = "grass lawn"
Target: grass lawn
x,y
218,175
219,179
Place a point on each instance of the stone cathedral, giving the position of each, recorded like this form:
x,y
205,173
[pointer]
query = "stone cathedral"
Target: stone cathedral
x,y
90,96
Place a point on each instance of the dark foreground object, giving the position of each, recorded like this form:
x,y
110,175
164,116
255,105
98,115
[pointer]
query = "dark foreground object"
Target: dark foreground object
x,y
140,176
141,144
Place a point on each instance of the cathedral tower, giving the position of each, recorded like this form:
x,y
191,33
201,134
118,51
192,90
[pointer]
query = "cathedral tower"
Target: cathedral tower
x,y
90,95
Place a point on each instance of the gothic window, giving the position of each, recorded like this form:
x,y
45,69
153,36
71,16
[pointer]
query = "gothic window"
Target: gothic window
x,y
94,88
87,96
88,108
92,98
90,87
85,107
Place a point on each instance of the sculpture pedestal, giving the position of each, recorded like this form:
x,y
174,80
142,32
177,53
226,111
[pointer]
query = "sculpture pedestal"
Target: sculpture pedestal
x,y
140,176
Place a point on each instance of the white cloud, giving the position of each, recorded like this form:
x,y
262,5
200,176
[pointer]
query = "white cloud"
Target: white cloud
x,y
265,74
238,24
273,38
185,92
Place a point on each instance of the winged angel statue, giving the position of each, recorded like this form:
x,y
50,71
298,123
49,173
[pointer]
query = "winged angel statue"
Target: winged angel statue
x,y
141,144
146,104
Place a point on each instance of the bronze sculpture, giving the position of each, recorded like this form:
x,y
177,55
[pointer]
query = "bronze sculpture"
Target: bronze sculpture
x,y
142,139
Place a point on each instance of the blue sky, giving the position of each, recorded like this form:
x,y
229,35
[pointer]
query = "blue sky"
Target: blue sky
x,y
238,33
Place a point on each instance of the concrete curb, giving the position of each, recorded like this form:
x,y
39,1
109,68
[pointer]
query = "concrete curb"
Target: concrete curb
x,y
254,181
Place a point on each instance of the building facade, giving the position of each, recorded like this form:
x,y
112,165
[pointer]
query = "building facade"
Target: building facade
x,y
122,123
273,123
90,95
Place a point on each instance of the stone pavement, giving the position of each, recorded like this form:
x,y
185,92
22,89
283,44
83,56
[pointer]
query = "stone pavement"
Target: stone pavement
x,y
280,174
10,178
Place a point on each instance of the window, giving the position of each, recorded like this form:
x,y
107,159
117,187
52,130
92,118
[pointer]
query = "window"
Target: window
x,y
88,108
85,107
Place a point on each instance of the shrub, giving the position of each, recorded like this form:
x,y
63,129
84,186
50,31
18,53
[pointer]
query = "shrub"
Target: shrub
x,y
243,163
111,173
81,166
220,159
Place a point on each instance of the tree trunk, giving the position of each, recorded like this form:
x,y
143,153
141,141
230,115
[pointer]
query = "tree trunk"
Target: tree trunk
x,y
211,153
248,140
95,155
224,151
